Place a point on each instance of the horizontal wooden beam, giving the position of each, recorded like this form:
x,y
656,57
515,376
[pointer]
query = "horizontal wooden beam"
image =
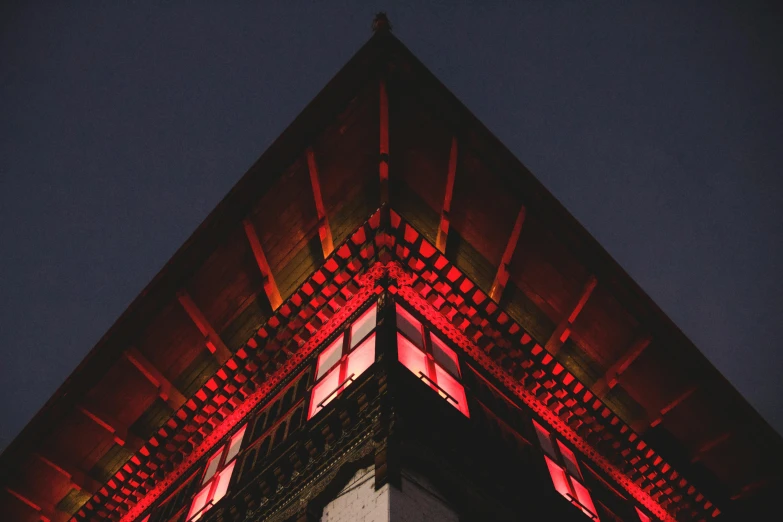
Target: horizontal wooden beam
x,y
384,145
501,278
113,426
324,230
445,214
75,476
270,287
168,392
563,330
214,343
612,374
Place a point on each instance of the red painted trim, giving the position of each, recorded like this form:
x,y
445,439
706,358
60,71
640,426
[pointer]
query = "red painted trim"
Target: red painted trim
x,y
433,316
365,293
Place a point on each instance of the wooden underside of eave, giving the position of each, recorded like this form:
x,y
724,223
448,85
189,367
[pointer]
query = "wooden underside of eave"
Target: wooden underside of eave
x,y
550,268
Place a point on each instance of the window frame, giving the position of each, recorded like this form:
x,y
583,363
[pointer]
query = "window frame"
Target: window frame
x,y
432,365
213,480
348,347
554,457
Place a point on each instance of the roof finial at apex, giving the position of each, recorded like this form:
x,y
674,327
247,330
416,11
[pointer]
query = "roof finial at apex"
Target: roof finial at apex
x,y
381,23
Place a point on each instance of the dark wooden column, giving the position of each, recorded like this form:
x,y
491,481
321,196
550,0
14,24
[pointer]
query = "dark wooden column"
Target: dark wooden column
x,y
387,457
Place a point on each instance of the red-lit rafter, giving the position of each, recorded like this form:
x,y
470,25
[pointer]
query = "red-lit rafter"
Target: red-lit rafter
x,y
270,287
460,310
167,391
45,511
113,426
612,375
78,478
324,230
672,404
213,341
499,284
445,217
563,330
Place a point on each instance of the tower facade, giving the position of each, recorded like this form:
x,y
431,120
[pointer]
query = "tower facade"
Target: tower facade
x,y
390,318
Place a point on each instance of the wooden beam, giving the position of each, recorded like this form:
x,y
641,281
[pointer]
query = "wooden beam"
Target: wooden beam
x,y
45,510
214,343
324,230
710,445
384,156
612,374
673,404
443,228
167,391
563,330
501,278
113,426
270,287
76,477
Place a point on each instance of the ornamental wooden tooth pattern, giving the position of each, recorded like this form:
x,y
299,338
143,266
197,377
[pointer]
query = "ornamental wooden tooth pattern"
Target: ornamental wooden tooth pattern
x,y
300,325
175,374
454,304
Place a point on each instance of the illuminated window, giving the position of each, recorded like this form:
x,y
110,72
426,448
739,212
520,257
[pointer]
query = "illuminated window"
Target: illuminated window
x,y
564,470
344,360
428,357
217,475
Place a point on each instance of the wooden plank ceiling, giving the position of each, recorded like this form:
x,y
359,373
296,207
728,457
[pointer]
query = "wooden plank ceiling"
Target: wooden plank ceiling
x,y
457,185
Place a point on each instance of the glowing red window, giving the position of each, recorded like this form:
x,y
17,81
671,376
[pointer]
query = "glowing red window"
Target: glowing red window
x,y
564,470
217,475
428,357
344,360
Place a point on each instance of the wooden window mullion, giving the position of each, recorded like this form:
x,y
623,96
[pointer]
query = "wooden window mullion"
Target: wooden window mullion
x,y
344,357
429,356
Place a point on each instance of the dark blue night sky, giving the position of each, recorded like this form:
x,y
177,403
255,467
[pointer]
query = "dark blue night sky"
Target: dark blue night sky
x,y
121,126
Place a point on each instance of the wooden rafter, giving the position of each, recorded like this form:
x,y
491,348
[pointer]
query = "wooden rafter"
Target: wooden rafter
x,y
710,445
443,228
324,230
270,287
563,330
113,426
612,374
168,392
501,278
384,146
672,404
45,510
214,343
76,477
